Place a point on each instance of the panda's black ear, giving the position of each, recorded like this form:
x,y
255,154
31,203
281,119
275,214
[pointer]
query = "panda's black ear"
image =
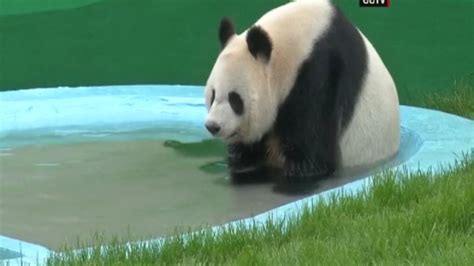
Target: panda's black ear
x,y
259,43
226,31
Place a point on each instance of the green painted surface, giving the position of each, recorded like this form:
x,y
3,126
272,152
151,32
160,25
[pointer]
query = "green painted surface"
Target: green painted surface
x,y
15,7
427,45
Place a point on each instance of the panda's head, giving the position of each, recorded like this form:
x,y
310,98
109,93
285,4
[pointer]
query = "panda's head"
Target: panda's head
x,y
240,105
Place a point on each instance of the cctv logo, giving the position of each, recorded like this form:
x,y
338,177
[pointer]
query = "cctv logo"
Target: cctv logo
x,y
374,3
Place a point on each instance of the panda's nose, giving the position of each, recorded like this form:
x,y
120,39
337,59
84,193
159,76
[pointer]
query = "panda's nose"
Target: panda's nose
x,y
213,127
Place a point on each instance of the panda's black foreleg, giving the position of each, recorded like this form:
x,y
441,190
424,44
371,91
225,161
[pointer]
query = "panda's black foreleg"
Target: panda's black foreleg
x,y
247,163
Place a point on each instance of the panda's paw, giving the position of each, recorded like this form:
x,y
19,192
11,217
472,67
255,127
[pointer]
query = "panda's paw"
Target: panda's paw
x,y
249,175
307,171
299,178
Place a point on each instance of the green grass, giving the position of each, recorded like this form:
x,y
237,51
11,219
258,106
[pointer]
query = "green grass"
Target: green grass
x,y
15,7
419,218
459,100
425,45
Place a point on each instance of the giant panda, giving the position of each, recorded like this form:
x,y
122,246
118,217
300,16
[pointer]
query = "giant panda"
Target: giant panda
x,y
299,95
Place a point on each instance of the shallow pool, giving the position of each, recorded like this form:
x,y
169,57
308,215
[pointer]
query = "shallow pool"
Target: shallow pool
x,y
54,193
75,161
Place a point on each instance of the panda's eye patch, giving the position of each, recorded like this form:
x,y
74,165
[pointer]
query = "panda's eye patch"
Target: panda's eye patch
x,y
236,103
213,96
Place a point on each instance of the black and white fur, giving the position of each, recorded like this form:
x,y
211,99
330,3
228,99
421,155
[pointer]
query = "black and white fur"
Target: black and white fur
x,y
299,95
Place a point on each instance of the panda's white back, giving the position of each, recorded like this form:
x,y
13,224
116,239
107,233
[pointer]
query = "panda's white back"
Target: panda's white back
x,y
374,132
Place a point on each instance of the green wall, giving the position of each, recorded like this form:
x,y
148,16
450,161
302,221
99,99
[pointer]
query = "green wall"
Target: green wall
x,y
15,7
426,44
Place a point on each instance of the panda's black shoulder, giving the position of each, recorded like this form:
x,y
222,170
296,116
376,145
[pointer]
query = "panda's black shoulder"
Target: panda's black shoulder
x,y
322,100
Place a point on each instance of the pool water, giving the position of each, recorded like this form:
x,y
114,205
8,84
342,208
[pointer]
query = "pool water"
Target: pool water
x,y
51,194
55,191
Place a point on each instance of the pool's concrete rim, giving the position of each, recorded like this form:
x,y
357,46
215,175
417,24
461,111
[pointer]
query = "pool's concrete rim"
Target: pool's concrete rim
x,y
445,137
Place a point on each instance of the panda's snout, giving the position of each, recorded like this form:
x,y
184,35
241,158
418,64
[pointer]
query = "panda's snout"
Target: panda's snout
x,y
213,127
